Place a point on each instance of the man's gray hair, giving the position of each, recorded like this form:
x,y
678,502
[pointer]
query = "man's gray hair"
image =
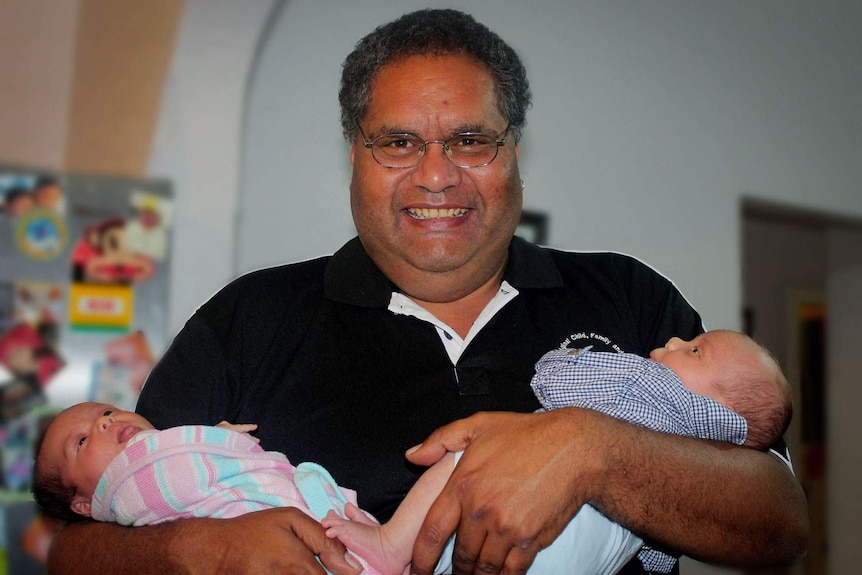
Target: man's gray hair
x,y
433,32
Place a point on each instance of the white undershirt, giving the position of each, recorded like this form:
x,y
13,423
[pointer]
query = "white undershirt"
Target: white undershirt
x,y
403,305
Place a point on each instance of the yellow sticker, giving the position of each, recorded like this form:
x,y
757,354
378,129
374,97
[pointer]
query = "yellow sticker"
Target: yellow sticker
x,y
108,306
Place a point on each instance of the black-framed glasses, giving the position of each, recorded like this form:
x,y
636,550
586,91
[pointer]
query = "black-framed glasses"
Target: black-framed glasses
x,y
465,150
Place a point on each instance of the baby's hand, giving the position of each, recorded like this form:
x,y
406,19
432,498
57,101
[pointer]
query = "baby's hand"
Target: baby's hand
x,y
240,428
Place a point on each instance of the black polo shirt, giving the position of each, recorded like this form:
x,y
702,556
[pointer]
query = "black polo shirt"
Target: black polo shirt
x,y
311,353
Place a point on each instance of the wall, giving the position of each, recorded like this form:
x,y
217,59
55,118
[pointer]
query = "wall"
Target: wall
x,y
36,63
198,141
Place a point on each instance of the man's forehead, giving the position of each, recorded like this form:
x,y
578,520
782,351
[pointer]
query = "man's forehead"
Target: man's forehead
x,y
441,107
418,75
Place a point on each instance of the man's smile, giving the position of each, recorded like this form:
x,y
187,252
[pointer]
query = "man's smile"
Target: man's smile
x,y
429,213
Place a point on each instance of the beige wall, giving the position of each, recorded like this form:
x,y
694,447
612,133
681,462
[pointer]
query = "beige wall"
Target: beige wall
x,y
37,41
83,81
123,51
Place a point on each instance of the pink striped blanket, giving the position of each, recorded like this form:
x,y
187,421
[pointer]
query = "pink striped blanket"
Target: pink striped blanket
x,y
196,471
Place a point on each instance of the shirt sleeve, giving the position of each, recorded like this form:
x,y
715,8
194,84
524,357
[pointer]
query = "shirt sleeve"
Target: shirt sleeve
x,y
661,308
184,386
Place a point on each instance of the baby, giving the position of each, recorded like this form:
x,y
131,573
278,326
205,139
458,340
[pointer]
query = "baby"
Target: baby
x,y
97,461
78,447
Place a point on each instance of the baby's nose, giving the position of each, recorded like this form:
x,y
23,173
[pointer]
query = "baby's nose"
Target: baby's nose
x,y
674,343
105,421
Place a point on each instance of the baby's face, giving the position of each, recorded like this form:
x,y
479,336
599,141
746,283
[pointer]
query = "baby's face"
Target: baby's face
x,y
83,439
20,205
47,196
701,362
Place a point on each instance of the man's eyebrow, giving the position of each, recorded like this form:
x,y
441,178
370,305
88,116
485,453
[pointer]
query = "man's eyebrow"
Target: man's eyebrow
x,y
470,128
389,130
473,127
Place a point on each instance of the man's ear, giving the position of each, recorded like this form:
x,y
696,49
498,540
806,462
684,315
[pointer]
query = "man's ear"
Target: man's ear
x,y
352,153
81,505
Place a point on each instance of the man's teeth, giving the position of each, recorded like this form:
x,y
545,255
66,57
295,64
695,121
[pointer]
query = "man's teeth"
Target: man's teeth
x,y
427,213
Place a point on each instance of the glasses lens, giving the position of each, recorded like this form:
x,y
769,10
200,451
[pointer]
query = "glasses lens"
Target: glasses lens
x,y
472,150
397,150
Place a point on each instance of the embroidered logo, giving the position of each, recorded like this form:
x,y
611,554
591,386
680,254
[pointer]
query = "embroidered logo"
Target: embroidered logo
x,y
581,339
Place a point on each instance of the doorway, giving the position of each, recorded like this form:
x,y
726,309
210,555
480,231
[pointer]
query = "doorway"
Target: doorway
x,y
791,264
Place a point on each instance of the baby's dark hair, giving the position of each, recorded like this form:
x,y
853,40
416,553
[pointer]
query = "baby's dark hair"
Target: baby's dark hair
x,y
13,194
53,495
762,396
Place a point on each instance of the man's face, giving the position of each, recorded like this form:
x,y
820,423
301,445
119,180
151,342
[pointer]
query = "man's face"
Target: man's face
x,y
435,220
84,439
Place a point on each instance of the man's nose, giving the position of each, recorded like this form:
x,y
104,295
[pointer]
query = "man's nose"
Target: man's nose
x,y
435,171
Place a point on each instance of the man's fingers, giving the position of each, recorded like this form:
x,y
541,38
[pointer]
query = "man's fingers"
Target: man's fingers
x,y
331,552
519,559
469,542
440,523
478,551
453,437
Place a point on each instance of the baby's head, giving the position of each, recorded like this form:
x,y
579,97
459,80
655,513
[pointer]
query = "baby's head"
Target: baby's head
x,y
734,370
16,201
74,451
47,193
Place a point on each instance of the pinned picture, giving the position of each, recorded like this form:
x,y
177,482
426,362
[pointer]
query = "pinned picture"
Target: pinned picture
x,y
102,256
147,232
21,193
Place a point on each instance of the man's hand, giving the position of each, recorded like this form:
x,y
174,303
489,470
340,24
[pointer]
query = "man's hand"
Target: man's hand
x,y
283,541
522,477
513,491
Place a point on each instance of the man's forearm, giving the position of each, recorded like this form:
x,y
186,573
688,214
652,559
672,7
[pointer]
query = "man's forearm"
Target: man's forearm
x,y
95,547
279,540
711,501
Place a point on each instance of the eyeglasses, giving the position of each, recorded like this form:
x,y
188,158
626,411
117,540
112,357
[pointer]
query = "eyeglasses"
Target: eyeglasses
x,y
465,150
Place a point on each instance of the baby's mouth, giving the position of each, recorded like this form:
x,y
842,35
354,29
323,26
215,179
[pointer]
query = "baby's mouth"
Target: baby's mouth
x,y
126,433
430,213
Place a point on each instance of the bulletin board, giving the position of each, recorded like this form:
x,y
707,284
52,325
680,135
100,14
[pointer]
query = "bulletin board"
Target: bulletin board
x,y
84,264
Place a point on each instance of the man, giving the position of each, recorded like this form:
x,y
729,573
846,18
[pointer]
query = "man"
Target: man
x,y
432,315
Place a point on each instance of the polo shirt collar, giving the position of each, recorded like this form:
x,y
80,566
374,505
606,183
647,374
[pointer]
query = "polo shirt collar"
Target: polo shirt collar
x,y
531,267
352,278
